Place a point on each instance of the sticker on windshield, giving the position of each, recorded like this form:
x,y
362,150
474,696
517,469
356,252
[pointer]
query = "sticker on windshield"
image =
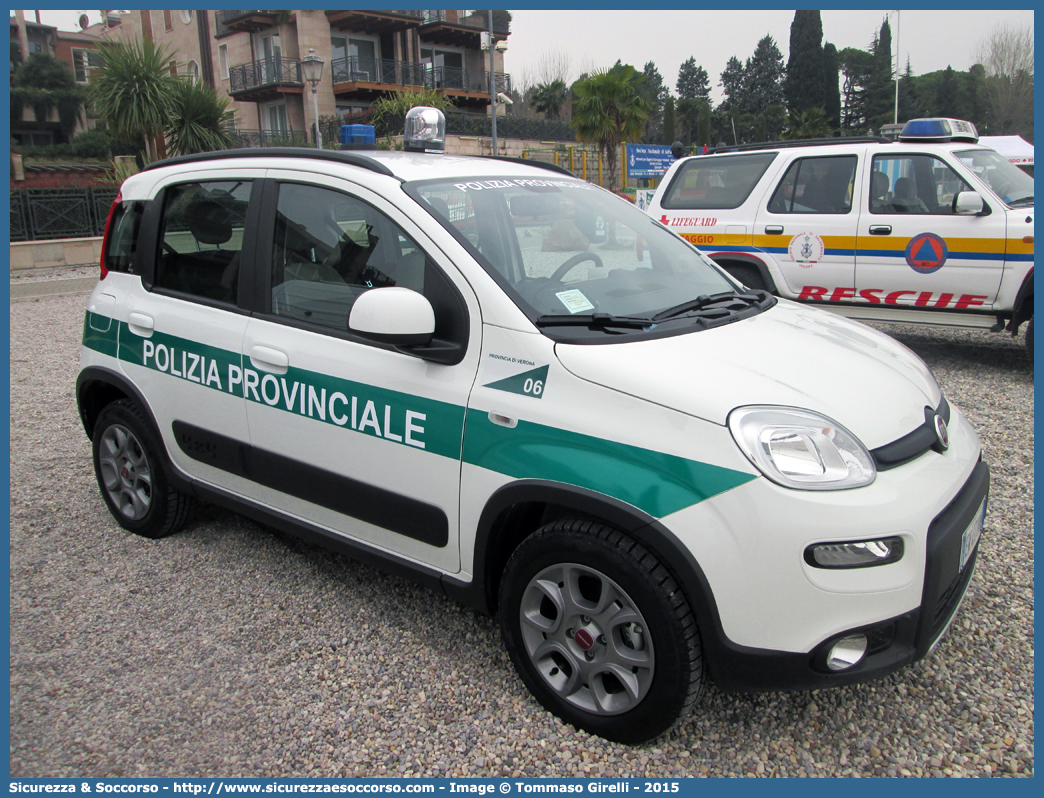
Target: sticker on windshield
x,y
575,301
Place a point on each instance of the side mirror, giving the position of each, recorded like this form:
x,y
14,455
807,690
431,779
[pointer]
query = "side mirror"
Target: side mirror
x,y
968,203
397,316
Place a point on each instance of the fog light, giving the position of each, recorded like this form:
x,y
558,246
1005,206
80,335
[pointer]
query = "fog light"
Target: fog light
x,y
846,652
855,554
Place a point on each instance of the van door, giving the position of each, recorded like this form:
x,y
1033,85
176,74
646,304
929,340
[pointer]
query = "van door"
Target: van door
x,y
809,226
913,251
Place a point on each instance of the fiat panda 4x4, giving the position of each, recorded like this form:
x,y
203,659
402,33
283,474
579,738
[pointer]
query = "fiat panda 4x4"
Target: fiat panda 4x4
x,y
524,392
929,229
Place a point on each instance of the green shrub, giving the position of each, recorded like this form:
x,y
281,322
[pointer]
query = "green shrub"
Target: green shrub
x,y
94,143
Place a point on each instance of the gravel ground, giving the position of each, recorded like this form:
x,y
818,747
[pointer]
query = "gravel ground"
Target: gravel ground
x,y
231,650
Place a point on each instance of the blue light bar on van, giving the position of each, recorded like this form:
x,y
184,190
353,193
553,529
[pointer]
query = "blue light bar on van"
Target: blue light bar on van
x,y
938,129
358,137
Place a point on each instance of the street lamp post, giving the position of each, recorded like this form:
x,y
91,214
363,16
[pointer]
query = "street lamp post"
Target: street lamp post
x,y
312,67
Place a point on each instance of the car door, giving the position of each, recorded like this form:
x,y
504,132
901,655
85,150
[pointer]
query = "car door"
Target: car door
x,y
913,250
811,223
182,333
355,436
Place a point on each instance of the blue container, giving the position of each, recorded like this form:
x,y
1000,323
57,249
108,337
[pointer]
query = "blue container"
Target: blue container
x,y
358,137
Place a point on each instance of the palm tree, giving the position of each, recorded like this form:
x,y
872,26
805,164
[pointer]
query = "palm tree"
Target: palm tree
x,y
135,93
809,124
548,98
608,109
199,120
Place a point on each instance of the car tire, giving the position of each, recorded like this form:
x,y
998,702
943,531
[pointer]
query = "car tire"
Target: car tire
x,y
1029,338
600,632
130,473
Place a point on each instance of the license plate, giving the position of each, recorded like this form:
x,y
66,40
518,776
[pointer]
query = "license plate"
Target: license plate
x,y
971,534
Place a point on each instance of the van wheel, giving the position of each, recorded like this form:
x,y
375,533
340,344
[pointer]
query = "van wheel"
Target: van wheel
x,y
600,632
1029,338
131,479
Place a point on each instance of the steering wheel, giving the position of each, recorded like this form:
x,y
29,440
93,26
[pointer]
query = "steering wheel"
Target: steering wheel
x,y
580,257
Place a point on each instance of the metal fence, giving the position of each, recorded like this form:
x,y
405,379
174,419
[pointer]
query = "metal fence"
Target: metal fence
x,y
38,214
272,138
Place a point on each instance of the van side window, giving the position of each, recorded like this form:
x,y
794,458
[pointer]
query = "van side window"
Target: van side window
x,y
707,183
123,237
201,239
919,184
816,185
331,247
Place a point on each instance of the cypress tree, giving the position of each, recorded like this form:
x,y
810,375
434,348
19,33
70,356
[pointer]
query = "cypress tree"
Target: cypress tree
x,y
668,121
804,83
831,89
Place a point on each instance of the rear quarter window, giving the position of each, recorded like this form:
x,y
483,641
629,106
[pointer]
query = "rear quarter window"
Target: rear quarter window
x,y
123,237
716,182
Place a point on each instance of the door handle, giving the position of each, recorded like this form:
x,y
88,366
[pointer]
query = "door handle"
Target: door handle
x,y
773,229
267,359
140,324
880,229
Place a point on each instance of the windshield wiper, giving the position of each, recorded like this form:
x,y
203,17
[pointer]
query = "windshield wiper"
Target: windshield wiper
x,y
593,320
1021,201
704,301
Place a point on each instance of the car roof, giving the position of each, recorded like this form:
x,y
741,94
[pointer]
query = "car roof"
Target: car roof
x,y
404,166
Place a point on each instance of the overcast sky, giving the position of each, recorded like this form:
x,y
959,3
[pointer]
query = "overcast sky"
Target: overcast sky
x,y
591,39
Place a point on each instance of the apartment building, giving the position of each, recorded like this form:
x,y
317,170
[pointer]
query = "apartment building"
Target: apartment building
x,y
75,49
254,58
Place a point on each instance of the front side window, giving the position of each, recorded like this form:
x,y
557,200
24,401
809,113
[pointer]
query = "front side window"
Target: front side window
x,y
918,184
816,185
716,182
201,239
1005,179
570,254
331,247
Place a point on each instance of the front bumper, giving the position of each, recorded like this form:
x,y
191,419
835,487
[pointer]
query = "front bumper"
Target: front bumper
x,y
894,642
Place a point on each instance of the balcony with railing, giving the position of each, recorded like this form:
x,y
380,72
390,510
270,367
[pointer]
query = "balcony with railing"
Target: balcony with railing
x,y
374,22
462,28
248,20
265,79
389,75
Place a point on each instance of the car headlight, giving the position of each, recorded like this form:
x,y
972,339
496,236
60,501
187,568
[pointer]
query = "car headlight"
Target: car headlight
x,y
801,449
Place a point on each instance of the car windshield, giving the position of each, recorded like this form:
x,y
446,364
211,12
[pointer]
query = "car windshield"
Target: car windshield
x,y
565,248
1006,180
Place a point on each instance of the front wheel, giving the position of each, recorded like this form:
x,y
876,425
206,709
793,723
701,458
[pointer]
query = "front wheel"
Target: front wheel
x,y
130,476
600,632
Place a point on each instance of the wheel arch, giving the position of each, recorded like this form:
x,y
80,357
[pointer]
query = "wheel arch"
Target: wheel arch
x,y
727,259
518,509
1023,304
97,387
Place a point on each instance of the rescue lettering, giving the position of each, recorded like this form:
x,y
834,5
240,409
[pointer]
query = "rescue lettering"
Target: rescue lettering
x,y
872,296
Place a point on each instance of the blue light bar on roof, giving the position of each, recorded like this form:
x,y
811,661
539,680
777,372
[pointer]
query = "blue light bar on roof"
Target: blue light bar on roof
x,y
938,129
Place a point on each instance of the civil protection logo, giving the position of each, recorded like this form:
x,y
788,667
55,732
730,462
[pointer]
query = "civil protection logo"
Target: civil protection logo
x,y
806,249
926,253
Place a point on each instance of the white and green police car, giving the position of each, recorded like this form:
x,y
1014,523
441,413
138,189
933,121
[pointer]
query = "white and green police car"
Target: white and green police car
x,y
527,394
929,229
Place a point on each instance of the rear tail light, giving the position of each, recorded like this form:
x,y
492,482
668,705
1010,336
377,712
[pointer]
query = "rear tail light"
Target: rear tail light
x,y
108,227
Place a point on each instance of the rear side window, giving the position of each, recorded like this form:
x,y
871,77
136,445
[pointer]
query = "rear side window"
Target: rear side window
x,y
201,238
716,182
123,237
816,185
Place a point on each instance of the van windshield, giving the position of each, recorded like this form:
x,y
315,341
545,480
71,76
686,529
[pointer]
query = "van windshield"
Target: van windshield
x,y
564,248
1006,180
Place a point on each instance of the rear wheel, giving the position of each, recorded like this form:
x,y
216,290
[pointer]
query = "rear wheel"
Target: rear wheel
x,y
130,476
600,632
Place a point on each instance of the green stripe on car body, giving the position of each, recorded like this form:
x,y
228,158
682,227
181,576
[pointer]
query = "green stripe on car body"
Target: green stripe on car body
x,y
657,483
